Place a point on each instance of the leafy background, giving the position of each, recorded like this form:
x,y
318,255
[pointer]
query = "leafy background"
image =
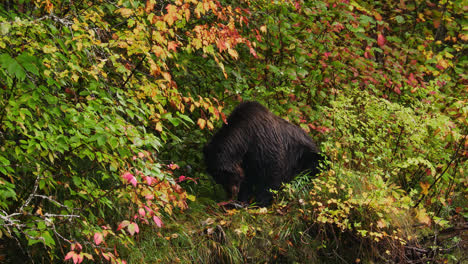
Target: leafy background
x,y
105,106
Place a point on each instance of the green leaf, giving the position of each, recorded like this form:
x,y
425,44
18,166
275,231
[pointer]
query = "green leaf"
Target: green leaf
x,y
28,62
48,240
4,161
186,118
400,19
15,68
5,60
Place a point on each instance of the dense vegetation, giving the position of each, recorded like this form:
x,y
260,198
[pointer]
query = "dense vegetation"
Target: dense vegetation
x,y
105,106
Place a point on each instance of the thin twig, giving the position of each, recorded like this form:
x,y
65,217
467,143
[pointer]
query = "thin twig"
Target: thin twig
x,y
454,158
133,71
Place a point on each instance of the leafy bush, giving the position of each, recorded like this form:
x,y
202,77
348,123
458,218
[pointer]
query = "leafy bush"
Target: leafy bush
x,y
106,105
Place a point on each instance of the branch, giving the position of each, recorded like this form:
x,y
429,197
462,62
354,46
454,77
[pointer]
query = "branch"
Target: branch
x,y
133,71
31,196
454,158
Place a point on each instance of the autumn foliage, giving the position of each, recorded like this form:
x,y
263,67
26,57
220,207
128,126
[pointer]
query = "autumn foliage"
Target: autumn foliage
x,y
105,107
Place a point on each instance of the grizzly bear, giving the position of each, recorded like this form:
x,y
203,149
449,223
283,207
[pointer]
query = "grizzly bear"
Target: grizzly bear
x,y
257,151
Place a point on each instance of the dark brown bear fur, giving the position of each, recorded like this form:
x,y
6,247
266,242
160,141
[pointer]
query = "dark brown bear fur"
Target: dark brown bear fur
x,y
257,151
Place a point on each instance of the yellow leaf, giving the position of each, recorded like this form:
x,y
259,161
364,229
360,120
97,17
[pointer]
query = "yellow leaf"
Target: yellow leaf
x,y
263,29
167,76
201,123
210,125
231,212
464,37
233,53
422,217
187,14
49,49
421,16
443,63
381,223
154,69
125,12
158,51
424,187
159,127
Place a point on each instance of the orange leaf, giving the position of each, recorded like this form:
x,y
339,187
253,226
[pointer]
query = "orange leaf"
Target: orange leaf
x,y
149,6
172,45
378,17
171,15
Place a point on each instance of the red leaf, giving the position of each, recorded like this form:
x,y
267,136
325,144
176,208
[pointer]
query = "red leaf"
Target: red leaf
x,y
397,90
134,182
75,258
76,246
381,40
142,212
123,224
253,52
157,221
127,176
150,180
133,228
130,178
98,238
223,116
69,255
181,178
297,5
